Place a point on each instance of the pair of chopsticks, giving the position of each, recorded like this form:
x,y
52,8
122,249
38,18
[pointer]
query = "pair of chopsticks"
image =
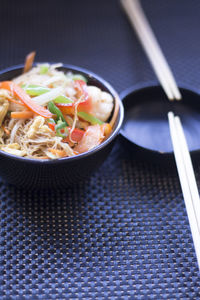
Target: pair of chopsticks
x,y
187,179
148,40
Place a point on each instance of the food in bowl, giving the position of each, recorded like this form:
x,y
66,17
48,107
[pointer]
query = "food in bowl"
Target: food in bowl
x,y
46,113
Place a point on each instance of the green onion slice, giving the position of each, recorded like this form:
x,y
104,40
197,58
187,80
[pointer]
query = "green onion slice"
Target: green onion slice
x,y
55,110
63,99
44,69
35,90
60,126
89,118
79,77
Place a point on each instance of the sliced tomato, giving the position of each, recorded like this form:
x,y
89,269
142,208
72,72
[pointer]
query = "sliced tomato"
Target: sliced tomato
x,y
69,108
85,106
76,135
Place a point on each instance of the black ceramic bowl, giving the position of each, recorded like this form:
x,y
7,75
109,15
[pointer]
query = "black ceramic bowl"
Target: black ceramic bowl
x,y
145,128
58,173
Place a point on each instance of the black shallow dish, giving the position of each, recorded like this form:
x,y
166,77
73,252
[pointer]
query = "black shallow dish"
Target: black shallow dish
x,y
145,127
33,173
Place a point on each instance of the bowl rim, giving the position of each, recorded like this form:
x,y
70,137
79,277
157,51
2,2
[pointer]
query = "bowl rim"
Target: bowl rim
x,y
115,132
139,87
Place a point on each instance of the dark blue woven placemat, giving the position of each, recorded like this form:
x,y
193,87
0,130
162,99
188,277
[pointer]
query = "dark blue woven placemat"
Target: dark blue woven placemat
x,y
124,233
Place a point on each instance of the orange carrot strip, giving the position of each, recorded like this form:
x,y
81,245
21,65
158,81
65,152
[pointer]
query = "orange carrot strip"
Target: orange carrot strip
x,y
29,61
60,153
66,109
106,129
16,101
21,114
25,98
5,130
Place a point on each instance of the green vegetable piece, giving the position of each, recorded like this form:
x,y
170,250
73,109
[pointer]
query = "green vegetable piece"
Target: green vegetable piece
x,y
44,69
51,121
55,110
35,90
79,77
89,118
60,126
63,99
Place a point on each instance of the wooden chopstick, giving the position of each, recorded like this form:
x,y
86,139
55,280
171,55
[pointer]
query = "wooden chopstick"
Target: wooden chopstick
x,y
189,170
187,179
151,47
181,152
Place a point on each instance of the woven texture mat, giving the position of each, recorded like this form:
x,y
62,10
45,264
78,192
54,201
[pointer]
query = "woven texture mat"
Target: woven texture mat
x,y
123,233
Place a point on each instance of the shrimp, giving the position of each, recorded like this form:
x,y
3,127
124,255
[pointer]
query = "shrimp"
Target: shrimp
x,y
102,103
92,138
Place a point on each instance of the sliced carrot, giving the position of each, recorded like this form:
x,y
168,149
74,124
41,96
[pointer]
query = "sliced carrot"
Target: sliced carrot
x,y
16,101
60,153
25,98
51,126
29,61
22,114
67,109
5,130
106,129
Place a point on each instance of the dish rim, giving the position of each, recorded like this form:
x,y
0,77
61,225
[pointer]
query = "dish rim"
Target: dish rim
x,y
142,86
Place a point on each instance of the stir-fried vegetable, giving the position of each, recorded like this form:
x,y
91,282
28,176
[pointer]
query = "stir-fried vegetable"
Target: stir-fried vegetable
x,y
47,97
44,69
51,123
28,102
89,118
79,77
49,114
63,99
106,129
61,129
36,90
69,107
22,114
55,110
29,61
76,135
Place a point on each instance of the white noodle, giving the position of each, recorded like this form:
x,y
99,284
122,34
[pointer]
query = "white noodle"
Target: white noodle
x,y
44,139
14,131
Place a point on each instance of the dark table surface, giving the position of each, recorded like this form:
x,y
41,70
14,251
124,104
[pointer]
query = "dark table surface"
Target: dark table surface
x,y
123,233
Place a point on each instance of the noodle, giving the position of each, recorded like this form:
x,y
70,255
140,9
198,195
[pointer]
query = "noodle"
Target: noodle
x,y
53,92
